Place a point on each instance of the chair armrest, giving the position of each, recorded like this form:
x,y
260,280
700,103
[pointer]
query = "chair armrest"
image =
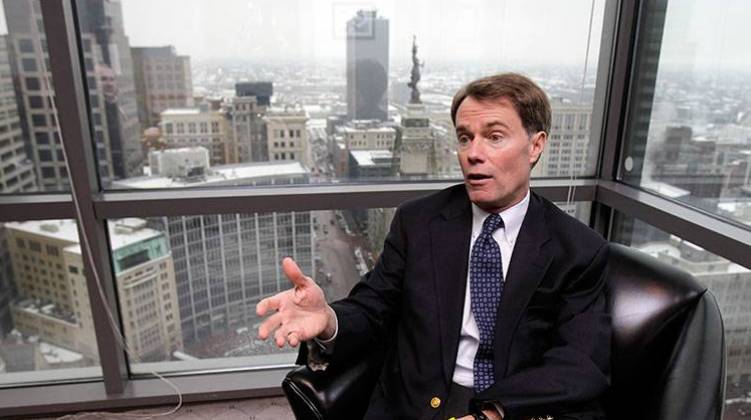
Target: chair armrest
x,y
331,394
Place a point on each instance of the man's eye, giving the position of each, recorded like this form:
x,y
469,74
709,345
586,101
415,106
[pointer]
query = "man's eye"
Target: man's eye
x,y
496,138
463,139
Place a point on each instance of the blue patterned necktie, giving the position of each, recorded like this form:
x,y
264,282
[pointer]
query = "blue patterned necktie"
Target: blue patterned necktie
x,y
485,287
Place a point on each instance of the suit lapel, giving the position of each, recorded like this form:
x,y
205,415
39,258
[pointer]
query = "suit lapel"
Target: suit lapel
x,y
450,237
528,265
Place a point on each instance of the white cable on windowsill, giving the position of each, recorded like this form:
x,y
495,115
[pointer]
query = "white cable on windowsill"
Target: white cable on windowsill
x,y
118,335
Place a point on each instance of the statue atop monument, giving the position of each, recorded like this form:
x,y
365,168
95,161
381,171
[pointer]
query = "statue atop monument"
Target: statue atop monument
x,y
415,98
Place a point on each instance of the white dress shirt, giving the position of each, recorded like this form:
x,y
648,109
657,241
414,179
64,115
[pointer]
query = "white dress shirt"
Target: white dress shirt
x,y
469,339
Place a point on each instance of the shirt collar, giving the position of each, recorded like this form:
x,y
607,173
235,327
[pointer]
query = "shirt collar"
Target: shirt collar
x,y
512,218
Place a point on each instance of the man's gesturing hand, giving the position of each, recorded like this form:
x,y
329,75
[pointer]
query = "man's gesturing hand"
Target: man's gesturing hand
x,y
299,314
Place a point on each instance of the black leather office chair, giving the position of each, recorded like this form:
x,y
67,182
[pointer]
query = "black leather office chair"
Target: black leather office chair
x,y
668,355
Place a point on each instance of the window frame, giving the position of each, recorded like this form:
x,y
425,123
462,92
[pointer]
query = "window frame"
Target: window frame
x,y
614,92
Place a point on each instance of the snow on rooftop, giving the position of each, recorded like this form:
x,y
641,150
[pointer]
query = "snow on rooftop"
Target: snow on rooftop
x,y
180,111
123,232
54,354
368,157
224,174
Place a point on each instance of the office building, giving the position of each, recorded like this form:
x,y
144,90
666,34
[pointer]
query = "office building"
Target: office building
x,y
53,302
109,76
367,66
162,80
245,113
16,169
224,264
287,135
360,135
193,127
568,152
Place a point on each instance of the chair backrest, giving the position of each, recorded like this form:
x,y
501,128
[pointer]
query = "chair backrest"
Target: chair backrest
x,y
668,351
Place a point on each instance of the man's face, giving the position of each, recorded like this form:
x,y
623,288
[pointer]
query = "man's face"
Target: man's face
x,y
495,152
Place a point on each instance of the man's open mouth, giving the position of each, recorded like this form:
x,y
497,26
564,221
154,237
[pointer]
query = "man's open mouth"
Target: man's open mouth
x,y
477,177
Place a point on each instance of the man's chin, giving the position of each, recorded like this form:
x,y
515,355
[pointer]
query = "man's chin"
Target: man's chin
x,y
480,198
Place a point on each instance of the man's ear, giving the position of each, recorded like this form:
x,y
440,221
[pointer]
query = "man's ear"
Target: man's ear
x,y
537,146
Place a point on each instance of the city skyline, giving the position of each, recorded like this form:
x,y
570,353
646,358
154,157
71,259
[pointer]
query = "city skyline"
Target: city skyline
x,y
215,125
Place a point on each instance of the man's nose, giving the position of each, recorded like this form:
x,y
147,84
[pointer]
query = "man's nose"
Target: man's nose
x,y
476,149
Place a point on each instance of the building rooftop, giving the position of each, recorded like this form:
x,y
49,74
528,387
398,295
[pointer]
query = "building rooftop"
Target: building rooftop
x,y
371,157
53,354
122,232
167,51
180,111
242,173
35,306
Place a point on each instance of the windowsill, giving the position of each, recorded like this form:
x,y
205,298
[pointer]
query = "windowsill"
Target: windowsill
x,y
91,396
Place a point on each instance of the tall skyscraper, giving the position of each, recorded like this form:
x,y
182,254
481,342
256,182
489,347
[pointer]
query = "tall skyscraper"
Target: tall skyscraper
x,y
367,66
162,80
109,76
103,32
16,169
16,173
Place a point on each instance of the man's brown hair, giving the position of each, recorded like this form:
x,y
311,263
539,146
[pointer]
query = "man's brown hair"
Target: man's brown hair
x,y
528,99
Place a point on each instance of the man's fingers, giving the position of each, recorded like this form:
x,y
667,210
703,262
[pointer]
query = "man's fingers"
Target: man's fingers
x,y
270,303
293,272
293,339
270,324
280,336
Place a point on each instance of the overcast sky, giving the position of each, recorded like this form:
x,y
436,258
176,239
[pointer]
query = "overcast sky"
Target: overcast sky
x,y
699,33
533,31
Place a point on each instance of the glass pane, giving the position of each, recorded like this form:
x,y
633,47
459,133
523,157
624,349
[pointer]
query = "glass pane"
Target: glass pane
x,y
730,283
31,155
188,285
322,87
581,210
689,137
46,327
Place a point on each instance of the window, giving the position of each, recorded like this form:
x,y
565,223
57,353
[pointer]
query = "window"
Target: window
x,y
36,102
47,321
217,265
52,250
25,45
32,83
45,155
42,137
29,64
696,152
39,120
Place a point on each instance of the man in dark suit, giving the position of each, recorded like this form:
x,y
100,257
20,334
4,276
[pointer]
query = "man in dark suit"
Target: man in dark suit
x,y
487,298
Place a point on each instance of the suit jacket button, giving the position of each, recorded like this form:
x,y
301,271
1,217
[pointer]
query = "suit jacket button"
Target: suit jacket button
x,y
435,402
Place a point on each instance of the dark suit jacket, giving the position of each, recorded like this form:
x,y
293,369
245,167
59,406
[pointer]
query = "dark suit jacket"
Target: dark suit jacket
x,y
552,340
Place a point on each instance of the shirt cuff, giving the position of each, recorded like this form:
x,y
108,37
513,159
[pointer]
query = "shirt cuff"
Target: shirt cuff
x,y
328,344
